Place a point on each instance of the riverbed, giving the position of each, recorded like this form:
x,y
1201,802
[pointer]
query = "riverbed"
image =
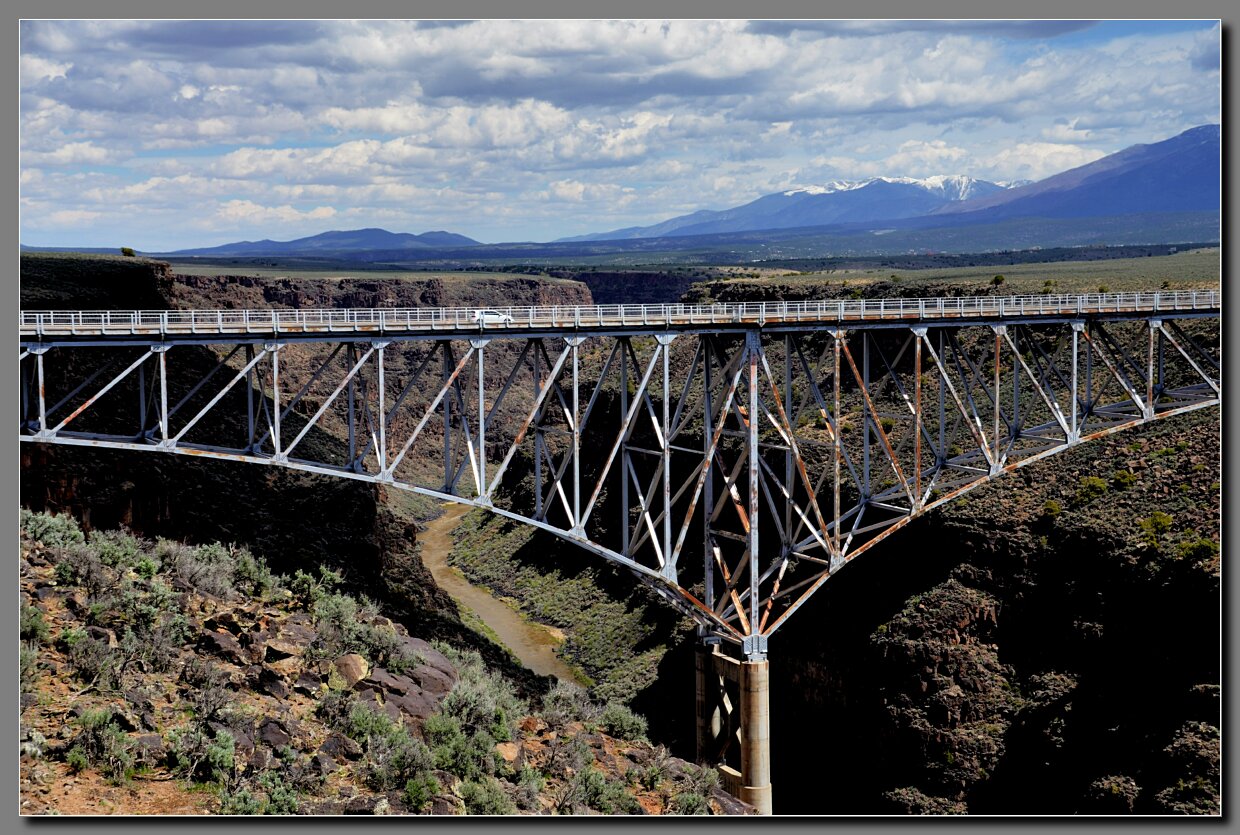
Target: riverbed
x,y
533,644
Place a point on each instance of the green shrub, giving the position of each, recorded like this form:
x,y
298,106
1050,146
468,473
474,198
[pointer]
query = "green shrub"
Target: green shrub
x,y
689,803
1091,487
1123,479
1051,508
392,757
116,548
204,758
623,723
28,658
530,781
33,627
566,702
997,280
1154,526
103,744
486,797
240,802
468,756
1200,549
76,759
610,797
282,798
481,700
128,252
420,790
52,529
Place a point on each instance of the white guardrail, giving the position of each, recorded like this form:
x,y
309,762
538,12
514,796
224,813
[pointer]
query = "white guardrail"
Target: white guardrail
x,y
421,319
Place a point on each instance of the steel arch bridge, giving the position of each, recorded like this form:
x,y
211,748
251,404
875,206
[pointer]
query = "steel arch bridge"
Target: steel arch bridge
x,y
732,456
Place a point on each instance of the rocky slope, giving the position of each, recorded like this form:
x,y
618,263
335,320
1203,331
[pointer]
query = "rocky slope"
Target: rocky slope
x,y
162,678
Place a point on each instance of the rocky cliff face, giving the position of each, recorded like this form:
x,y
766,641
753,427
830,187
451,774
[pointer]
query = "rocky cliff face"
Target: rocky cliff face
x,y
1030,648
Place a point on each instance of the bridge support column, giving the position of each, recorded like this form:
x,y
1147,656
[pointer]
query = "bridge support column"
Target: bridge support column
x,y
756,735
733,722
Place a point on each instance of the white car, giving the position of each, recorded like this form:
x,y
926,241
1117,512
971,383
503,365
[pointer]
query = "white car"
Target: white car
x,y
492,317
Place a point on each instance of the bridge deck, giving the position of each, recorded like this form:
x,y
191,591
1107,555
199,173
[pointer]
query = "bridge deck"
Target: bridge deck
x,y
517,320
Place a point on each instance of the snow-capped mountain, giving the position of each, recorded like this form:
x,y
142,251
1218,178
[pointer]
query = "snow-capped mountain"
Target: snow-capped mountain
x,y
838,201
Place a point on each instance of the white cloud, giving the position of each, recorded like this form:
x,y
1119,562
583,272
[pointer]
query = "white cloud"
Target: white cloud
x,y
72,217
236,212
34,68
1037,160
72,153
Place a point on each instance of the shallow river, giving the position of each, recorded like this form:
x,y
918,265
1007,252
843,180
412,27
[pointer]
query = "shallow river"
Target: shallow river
x,y
533,644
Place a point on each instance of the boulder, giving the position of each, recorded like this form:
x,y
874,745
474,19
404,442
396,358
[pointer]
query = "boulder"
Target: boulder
x,y
273,732
226,621
308,684
352,668
272,683
432,680
508,751
339,746
46,593
225,646
430,656
366,806
413,703
261,758
290,639
149,749
323,764
103,636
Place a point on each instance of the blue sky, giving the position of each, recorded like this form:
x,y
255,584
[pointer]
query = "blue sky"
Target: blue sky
x,y
170,134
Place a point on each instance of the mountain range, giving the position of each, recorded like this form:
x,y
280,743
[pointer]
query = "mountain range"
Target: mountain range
x,y
1180,174
356,240
1169,191
840,201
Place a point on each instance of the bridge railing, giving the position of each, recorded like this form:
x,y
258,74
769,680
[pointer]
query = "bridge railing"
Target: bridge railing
x,y
421,319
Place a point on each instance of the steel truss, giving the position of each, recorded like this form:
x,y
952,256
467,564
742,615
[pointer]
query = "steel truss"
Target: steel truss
x,y
733,471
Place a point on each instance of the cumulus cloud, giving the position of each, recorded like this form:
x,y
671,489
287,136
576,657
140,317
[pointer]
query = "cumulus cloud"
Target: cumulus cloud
x,y
1037,160
72,153
236,212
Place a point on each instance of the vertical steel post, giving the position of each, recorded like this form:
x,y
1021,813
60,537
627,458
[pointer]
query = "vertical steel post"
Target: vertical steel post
x,y
865,413
482,419
669,568
38,358
162,350
275,391
1089,381
446,378
381,452
1014,432
918,335
942,456
839,432
754,347
1076,400
997,448
1154,325
708,486
789,474
249,401
538,440
574,343
624,447
351,353
142,400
